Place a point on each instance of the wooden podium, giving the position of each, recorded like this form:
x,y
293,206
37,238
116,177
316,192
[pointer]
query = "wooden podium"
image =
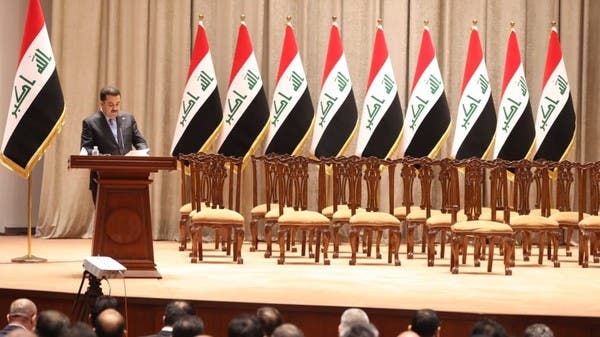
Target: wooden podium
x,y
123,228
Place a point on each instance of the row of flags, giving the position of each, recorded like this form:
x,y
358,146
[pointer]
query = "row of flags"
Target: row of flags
x,y
36,110
381,128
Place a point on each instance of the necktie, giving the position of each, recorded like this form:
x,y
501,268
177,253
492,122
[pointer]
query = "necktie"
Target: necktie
x,y
113,129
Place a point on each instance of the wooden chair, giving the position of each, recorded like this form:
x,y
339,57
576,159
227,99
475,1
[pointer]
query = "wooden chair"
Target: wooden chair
x,y
527,224
589,228
214,179
372,219
258,211
481,231
292,180
186,199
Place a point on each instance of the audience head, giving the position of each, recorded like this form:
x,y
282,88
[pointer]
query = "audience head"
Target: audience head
x,y
408,333
79,329
100,304
425,323
538,330
22,311
488,328
51,323
269,318
176,310
244,325
188,326
110,323
351,317
287,330
361,330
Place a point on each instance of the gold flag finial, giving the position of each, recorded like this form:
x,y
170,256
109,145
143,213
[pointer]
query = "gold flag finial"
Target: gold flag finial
x,y
288,19
512,24
200,17
380,21
243,17
333,18
475,22
426,22
553,23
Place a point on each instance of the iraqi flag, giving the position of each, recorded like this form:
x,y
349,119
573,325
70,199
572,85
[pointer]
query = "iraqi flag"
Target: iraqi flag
x,y
476,118
200,113
555,120
337,116
246,111
36,110
427,117
292,112
515,131
381,120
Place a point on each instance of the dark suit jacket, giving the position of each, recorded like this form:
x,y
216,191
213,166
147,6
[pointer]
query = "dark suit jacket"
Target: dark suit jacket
x,y
8,329
96,131
162,333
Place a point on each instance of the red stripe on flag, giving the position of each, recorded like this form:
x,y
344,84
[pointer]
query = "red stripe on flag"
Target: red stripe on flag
x,y
33,25
200,49
553,57
243,50
380,54
334,51
426,55
288,51
474,57
513,59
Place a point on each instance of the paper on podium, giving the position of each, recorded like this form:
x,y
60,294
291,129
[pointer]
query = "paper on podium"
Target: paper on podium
x,y
83,152
138,153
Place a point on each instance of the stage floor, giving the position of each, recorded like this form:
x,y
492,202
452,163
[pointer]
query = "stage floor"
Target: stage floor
x,y
532,289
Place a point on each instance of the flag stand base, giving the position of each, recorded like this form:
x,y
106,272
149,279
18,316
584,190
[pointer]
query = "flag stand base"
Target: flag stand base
x,y
29,259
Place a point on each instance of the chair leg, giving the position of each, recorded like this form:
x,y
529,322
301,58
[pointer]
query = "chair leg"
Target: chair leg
x,y
464,248
492,244
369,239
238,241
254,234
318,244
477,243
508,244
542,245
568,238
335,228
423,238
281,234
326,238
555,242
442,243
395,237
268,239
183,234
431,246
378,244
293,248
194,255
354,237
455,251
410,240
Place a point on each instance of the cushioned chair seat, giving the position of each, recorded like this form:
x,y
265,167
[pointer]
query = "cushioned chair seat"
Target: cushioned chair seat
x,y
344,213
273,213
538,211
374,218
186,209
400,212
421,215
218,216
591,222
532,222
443,220
486,214
481,226
261,209
303,218
569,218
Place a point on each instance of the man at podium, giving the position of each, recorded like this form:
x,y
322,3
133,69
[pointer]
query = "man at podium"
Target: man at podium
x,y
110,130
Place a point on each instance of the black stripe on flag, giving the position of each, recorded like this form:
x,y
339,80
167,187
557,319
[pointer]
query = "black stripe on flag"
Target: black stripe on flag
x,y
339,129
251,123
480,136
386,133
559,137
294,128
521,137
431,130
37,123
201,127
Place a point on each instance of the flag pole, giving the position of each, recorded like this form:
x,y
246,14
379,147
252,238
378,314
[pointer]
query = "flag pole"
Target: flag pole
x,y
29,258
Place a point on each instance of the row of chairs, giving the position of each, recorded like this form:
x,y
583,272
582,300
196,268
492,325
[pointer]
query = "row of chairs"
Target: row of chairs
x,y
348,193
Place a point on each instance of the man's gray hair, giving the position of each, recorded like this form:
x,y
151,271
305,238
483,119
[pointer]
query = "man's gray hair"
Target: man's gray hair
x,y
352,316
538,330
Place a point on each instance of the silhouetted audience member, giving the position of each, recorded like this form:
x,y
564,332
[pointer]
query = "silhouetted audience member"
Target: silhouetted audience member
x,y
425,323
287,330
22,314
538,330
361,330
173,312
188,326
51,323
21,333
244,325
79,329
351,317
270,318
408,333
110,323
488,328
100,304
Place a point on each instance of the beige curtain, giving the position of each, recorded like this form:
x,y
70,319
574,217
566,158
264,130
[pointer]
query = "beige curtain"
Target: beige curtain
x,y
143,47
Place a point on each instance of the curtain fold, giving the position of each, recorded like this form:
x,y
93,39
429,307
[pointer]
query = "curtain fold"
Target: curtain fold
x,y
143,47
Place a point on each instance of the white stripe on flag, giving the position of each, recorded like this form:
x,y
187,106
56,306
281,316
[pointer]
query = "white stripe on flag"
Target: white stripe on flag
x,y
246,84
286,96
334,93
34,70
472,102
552,101
380,95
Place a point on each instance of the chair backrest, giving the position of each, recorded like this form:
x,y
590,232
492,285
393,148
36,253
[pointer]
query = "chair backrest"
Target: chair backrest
x,y
591,171
291,176
526,172
474,169
268,184
565,176
408,173
445,178
347,182
214,181
184,167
